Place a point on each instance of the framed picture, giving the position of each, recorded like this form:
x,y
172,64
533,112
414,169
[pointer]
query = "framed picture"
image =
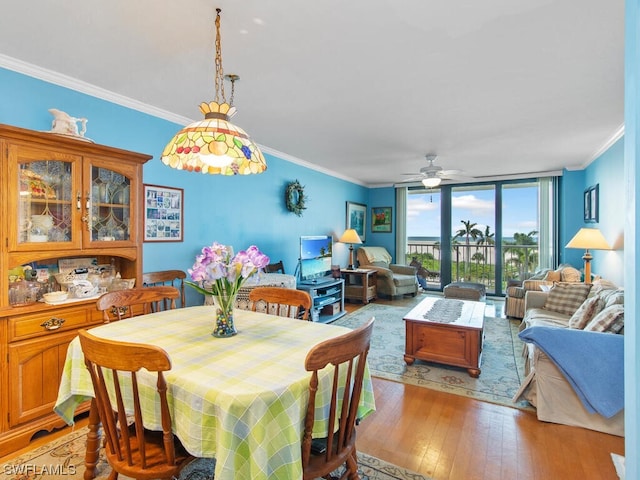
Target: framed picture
x,y
357,218
381,219
591,204
163,214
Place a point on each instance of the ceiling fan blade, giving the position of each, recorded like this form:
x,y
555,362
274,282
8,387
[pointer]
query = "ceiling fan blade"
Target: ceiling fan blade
x,y
448,173
457,177
413,178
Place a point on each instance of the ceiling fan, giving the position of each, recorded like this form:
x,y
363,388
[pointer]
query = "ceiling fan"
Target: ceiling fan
x,y
432,175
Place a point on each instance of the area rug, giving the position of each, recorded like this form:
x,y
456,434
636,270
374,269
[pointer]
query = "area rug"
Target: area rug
x,y
64,459
502,367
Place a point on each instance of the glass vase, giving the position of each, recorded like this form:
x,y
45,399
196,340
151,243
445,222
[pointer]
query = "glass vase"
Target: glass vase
x,y
224,306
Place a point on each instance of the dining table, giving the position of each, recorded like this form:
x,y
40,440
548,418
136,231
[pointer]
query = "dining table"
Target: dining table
x,y
241,400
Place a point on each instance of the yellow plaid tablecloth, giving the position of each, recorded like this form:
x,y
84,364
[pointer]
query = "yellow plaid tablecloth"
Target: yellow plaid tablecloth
x,y
241,400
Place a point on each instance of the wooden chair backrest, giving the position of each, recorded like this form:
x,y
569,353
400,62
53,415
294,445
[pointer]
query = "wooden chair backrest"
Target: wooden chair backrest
x,y
274,267
173,278
285,302
348,355
130,449
136,301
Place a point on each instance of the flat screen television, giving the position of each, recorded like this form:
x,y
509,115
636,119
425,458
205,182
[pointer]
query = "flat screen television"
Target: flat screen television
x,y
315,257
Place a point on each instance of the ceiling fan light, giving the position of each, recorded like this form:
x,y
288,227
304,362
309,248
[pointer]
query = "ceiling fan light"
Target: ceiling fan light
x,y
431,182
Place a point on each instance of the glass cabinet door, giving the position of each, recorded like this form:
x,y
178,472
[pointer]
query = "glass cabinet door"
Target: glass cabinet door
x,y
45,202
110,203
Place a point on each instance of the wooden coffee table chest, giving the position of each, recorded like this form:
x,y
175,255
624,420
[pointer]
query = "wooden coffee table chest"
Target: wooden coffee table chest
x,y
447,331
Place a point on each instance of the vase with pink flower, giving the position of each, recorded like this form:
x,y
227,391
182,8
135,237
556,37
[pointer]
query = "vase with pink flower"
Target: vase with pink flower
x,y
221,274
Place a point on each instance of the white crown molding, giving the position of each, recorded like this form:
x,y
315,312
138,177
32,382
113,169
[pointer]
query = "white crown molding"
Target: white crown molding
x,y
311,166
66,81
88,89
617,135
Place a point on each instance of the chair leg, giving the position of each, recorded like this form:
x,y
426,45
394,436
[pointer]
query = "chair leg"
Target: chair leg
x,y
352,466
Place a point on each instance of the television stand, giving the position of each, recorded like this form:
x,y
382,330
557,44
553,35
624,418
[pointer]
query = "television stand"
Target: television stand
x,y
327,299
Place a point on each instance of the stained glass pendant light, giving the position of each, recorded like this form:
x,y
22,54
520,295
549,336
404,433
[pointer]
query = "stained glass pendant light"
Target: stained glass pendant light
x,y
215,145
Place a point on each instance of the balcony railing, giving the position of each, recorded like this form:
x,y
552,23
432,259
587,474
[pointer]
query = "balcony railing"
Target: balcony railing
x,y
475,263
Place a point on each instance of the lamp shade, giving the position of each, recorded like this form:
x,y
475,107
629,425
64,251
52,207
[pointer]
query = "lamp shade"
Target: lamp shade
x,y
431,182
350,236
214,145
589,239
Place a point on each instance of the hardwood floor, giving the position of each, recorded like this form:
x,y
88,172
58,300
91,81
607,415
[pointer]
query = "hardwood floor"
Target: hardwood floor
x,y
446,436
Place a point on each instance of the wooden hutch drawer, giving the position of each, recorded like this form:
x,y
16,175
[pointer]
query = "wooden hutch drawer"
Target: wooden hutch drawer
x,y
49,322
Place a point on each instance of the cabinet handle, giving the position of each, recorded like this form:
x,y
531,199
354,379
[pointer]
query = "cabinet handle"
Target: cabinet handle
x,y
53,323
87,214
78,200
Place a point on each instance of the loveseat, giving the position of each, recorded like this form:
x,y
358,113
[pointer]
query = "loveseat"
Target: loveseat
x,y
575,342
393,280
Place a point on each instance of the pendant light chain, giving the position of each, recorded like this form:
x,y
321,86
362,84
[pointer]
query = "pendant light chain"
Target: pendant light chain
x,y
214,145
219,82
233,79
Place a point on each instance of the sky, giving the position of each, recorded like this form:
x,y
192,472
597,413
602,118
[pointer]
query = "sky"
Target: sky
x,y
520,210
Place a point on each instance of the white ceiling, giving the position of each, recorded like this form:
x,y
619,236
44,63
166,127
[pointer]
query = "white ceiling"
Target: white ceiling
x,y
361,88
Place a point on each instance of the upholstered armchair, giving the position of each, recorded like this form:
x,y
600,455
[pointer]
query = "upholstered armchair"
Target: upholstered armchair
x,y
393,280
516,290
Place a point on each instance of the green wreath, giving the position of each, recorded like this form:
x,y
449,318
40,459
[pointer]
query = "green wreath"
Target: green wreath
x,y
294,198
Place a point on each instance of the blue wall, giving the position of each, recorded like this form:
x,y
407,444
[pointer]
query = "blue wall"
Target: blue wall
x,y
606,171
383,197
238,211
630,187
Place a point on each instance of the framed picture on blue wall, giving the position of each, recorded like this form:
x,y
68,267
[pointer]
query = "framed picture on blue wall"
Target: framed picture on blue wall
x,y
591,206
381,219
357,218
163,214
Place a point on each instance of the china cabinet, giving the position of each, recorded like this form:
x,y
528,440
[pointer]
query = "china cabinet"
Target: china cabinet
x,y
62,198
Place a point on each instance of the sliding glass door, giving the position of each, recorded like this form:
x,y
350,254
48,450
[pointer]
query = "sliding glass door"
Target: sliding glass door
x,y
484,233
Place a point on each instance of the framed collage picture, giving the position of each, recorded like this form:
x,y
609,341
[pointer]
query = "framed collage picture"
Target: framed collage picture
x,y
163,214
381,220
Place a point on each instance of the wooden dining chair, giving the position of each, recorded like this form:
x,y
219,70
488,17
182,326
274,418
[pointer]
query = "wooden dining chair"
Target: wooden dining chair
x,y
172,278
131,449
285,302
347,354
136,301
277,267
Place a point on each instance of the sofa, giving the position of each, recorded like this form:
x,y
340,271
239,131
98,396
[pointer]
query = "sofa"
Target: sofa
x,y
393,280
574,353
517,289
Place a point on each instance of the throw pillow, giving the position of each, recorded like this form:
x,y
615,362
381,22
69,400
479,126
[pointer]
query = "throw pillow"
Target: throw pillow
x,y
552,276
601,285
565,298
539,275
612,297
611,319
570,274
585,312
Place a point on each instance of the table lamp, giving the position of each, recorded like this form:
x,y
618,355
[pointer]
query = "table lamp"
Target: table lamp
x,y
589,239
350,236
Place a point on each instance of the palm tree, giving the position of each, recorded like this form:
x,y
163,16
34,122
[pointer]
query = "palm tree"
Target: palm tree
x,y
469,231
523,258
488,239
